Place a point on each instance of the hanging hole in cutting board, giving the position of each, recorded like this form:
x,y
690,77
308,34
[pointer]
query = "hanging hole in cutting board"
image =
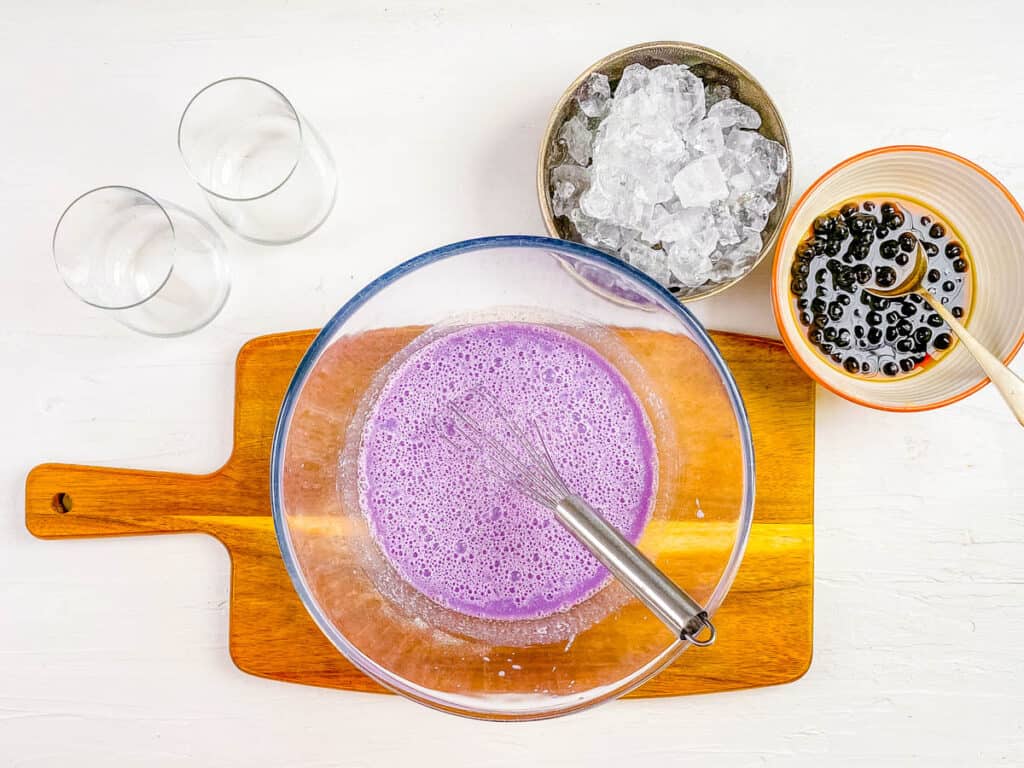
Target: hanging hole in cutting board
x,y
62,503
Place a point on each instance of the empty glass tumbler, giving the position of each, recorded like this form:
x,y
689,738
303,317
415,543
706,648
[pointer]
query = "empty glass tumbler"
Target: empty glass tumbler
x,y
158,268
265,171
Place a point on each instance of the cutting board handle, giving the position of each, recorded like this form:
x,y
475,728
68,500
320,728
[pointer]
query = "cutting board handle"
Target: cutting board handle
x,y
72,501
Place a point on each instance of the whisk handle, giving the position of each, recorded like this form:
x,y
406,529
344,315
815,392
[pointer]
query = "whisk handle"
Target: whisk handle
x,y
680,612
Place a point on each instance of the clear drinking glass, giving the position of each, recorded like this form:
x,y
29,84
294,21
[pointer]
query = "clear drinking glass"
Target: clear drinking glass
x,y
266,172
158,268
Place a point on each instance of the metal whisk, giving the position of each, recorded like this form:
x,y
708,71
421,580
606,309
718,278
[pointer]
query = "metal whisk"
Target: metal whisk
x,y
521,459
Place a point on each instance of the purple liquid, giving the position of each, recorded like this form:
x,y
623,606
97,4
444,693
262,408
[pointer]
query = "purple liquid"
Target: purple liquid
x,y
457,533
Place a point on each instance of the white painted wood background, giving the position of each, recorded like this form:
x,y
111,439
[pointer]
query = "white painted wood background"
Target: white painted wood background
x,y
115,652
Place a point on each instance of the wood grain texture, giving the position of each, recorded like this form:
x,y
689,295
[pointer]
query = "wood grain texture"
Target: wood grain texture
x,y
764,625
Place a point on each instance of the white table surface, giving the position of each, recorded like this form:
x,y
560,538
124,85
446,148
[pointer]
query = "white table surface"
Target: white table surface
x,y
115,652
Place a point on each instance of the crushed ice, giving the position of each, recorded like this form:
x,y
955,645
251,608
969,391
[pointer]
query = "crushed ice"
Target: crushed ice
x,y
669,174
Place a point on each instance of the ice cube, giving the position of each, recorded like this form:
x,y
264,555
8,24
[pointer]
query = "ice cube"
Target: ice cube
x,y
741,144
731,112
578,139
599,234
688,266
773,153
651,261
730,263
595,203
705,137
568,182
730,231
700,182
634,77
699,225
594,95
751,209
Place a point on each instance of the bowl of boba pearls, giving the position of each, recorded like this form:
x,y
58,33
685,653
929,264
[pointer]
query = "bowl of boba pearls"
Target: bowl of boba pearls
x,y
856,232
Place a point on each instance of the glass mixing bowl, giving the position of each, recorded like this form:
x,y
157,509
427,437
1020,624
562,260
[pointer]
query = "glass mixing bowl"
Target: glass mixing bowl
x,y
510,669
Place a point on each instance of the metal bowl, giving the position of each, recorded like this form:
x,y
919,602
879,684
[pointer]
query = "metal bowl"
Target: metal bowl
x,y
711,67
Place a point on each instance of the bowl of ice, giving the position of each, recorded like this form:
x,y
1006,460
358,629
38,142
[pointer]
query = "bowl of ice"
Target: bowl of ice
x,y
671,157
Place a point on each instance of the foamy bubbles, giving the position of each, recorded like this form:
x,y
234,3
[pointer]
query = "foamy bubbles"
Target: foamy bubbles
x,y
448,526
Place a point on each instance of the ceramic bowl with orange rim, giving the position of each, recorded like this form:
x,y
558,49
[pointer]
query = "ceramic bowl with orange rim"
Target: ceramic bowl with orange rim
x,y
985,216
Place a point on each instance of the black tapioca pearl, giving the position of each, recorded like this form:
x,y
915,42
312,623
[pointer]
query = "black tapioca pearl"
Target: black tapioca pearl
x,y
930,249
885,277
847,258
889,249
819,306
848,211
859,250
957,312
805,318
814,336
907,364
914,297
821,275
895,221
934,275
943,341
892,317
845,281
858,331
923,335
833,247
882,231
802,303
959,265
868,205
907,309
925,221
831,333
820,320
823,225
874,335
844,299
949,286
907,242
862,273
798,286
839,229
822,292
937,231
867,367
805,251
800,269
934,321
826,348
902,259
889,368
904,327
954,250
888,209
835,311
891,334
905,345
843,338
851,365
836,357
874,318
944,300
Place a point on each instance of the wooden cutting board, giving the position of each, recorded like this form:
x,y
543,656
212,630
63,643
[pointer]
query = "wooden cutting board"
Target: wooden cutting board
x,y
764,626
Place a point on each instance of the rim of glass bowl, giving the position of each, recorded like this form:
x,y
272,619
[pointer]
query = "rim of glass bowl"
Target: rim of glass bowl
x,y
797,350
323,339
